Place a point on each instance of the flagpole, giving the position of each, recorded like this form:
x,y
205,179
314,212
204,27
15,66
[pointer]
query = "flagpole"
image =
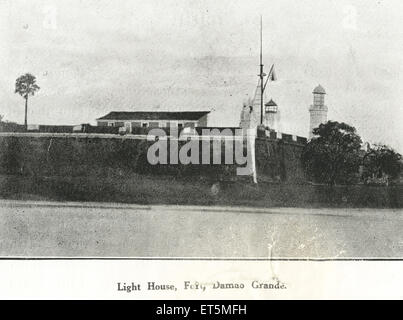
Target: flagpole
x,y
261,70
270,76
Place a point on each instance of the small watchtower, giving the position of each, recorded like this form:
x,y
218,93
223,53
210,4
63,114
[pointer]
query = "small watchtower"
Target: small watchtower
x,y
271,114
318,110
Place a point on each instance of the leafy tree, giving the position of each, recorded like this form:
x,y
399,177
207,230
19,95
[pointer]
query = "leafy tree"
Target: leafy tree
x,y
333,154
1,117
26,86
381,161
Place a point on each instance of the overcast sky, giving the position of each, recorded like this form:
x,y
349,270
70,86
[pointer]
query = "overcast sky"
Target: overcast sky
x,y
92,57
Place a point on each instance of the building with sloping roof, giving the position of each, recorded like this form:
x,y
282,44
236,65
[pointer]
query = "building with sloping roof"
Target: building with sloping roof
x,y
154,119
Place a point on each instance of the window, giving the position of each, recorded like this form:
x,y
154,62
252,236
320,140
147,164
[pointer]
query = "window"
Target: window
x,y
318,99
271,109
172,124
190,124
144,124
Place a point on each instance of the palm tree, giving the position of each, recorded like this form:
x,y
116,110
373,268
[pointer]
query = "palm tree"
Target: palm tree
x,y
26,86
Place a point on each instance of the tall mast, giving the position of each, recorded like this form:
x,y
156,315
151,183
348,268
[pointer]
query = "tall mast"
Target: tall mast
x,y
261,71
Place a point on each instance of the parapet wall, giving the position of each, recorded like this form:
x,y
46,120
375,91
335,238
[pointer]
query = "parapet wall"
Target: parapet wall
x,y
282,136
90,154
280,160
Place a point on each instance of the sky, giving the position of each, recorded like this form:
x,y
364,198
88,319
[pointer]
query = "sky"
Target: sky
x,y
91,57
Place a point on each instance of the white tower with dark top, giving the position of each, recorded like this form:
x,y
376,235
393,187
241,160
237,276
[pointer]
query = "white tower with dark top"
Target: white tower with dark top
x,y
318,110
271,115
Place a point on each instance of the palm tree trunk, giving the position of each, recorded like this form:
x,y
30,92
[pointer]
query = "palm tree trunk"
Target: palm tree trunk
x,y
26,112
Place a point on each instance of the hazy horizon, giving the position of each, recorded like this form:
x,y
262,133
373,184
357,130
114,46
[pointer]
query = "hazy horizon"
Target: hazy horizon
x,y
93,57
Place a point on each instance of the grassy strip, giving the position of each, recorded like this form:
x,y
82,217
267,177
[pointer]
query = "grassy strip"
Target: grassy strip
x,y
147,189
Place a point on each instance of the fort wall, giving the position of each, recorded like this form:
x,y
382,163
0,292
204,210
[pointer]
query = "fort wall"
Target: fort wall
x,y
112,168
52,154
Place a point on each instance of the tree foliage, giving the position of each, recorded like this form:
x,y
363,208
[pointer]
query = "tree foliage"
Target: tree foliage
x,y
381,161
333,155
25,85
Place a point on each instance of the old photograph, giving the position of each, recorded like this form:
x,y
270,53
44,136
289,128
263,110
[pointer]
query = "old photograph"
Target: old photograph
x,y
263,130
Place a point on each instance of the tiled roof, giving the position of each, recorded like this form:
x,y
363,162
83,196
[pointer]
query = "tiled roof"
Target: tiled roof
x,y
154,115
271,103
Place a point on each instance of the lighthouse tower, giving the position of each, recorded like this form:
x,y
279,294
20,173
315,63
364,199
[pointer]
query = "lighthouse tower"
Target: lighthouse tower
x,y
271,115
318,110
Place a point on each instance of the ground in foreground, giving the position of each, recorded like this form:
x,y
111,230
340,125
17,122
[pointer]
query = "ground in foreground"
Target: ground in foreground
x,y
116,230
